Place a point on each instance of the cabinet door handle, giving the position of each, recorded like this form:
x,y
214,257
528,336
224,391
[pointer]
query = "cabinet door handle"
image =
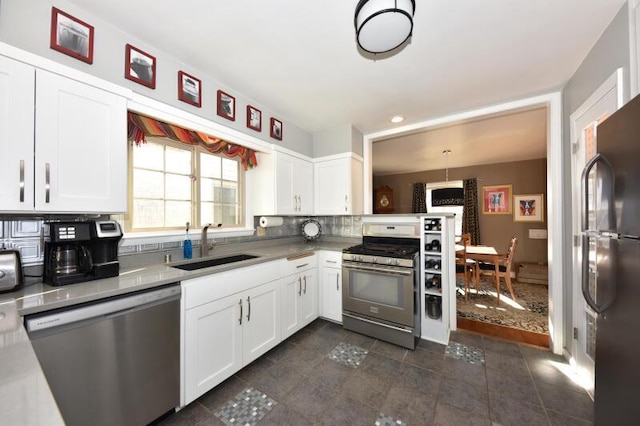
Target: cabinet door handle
x,y
249,311
332,261
299,286
47,182
346,202
22,181
240,319
338,282
302,266
305,284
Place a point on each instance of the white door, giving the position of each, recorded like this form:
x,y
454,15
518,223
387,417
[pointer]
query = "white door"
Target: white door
x,y
17,84
291,295
331,280
309,299
261,330
286,199
213,344
81,147
602,103
303,186
333,189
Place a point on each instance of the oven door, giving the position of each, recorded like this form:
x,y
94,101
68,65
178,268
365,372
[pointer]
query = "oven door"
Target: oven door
x,y
378,291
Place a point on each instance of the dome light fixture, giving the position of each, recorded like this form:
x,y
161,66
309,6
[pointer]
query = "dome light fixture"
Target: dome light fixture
x,y
383,25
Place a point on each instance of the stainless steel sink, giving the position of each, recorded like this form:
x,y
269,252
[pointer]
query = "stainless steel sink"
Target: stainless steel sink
x,y
192,266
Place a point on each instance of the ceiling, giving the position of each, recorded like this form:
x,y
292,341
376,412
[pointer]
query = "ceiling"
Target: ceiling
x,y
300,59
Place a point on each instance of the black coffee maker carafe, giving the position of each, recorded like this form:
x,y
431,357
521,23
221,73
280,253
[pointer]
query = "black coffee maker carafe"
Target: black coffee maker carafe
x,y
81,251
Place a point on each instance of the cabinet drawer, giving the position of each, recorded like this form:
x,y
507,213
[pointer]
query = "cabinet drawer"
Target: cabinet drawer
x,y
300,262
201,290
332,259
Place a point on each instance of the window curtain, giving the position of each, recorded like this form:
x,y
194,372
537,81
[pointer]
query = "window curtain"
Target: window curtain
x,y
140,126
470,219
419,201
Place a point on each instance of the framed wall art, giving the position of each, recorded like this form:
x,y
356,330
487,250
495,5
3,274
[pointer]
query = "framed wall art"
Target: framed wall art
x,y
189,89
140,67
254,118
276,129
226,106
496,199
528,208
71,36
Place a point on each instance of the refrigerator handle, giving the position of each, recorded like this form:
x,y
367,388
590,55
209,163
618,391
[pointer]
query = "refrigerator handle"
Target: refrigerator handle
x,y
606,173
585,281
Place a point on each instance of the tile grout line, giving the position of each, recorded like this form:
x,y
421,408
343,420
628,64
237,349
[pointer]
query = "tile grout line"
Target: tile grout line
x,y
535,385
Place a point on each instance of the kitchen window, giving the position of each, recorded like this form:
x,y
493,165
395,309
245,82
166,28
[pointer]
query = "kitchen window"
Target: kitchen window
x,y
173,183
457,210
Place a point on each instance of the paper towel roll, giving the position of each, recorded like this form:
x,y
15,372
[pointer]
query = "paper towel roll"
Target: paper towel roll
x,y
270,221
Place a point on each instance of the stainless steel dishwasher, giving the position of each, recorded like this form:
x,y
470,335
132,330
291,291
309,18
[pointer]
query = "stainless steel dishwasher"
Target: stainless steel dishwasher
x,y
115,361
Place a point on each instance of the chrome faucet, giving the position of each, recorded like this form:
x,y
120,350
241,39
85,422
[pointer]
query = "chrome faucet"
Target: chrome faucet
x,y
204,243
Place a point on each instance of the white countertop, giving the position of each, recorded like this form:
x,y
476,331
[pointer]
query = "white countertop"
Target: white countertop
x,y
25,397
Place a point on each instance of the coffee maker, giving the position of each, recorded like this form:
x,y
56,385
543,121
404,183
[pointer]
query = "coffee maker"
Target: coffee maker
x,y
81,251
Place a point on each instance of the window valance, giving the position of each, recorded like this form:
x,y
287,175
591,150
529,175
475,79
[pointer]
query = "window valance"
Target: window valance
x,y
140,126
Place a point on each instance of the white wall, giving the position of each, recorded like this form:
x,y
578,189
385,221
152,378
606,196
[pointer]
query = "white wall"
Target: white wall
x,y
26,24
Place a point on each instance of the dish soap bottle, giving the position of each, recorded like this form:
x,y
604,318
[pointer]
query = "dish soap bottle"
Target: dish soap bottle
x,y
188,248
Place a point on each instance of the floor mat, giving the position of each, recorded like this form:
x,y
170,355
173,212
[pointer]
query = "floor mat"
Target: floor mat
x,y
529,312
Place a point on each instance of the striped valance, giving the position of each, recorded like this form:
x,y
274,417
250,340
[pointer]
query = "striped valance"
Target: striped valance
x,y
140,126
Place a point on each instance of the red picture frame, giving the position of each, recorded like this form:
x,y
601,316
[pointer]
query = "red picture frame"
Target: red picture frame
x,y
226,106
189,89
496,199
71,36
276,129
140,67
254,118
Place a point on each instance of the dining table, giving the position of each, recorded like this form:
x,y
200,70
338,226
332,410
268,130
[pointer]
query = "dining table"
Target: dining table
x,y
483,254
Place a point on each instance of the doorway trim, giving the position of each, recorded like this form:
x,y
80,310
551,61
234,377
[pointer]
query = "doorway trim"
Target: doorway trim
x,y
555,192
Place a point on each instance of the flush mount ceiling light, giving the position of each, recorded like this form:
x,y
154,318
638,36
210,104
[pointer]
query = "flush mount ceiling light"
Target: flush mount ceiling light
x,y
383,25
397,119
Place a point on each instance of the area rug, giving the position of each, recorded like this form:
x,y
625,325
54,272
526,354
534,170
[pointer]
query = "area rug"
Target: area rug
x,y
529,312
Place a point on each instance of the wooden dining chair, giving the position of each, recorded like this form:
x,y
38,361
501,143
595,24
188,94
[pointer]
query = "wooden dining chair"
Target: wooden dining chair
x,y
504,268
466,268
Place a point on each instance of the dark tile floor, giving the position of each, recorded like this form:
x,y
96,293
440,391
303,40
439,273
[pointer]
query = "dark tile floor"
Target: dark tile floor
x,y
476,380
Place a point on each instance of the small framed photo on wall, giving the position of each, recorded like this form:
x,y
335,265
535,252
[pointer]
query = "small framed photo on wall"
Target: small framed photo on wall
x,y
496,199
276,129
71,36
140,67
226,106
189,89
528,208
254,118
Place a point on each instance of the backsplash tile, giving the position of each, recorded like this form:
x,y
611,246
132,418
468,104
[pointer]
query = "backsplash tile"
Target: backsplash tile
x,y
24,235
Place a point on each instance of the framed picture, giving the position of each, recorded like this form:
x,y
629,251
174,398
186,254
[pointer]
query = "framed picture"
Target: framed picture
x,y
496,199
226,106
254,118
189,89
276,129
528,208
140,67
71,36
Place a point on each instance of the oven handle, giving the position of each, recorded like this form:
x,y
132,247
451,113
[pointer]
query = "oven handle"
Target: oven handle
x,y
377,323
379,269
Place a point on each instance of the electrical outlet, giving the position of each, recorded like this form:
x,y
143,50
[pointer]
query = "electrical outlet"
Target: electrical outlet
x,y
260,231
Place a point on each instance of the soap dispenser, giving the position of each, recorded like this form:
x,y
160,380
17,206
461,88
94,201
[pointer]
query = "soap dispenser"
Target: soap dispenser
x,y
188,248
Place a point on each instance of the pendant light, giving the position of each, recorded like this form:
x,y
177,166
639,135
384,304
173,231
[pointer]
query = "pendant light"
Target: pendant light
x,y
383,25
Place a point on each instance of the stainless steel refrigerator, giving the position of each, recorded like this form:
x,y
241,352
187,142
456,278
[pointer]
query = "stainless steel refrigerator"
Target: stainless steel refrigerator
x,y
611,264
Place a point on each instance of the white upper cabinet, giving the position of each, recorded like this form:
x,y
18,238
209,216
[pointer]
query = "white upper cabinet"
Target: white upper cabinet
x,y
338,186
281,184
16,135
63,144
81,147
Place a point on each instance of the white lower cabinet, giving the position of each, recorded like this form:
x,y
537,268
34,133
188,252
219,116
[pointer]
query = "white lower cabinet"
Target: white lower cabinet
x,y
227,333
331,285
299,294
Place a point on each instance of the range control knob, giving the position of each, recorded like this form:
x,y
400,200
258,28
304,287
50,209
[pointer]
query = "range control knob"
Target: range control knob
x,y
374,259
397,262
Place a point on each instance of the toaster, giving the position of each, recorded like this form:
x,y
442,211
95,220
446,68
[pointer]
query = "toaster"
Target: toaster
x,y
10,270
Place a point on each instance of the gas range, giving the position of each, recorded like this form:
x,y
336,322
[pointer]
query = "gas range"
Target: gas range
x,y
393,253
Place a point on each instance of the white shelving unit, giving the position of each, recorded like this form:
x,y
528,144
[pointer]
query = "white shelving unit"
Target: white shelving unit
x,y
437,276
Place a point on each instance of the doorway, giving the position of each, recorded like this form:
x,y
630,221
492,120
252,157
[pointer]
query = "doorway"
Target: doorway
x,y
584,121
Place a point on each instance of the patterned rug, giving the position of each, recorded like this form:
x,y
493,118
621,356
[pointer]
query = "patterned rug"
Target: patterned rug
x,y
529,312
